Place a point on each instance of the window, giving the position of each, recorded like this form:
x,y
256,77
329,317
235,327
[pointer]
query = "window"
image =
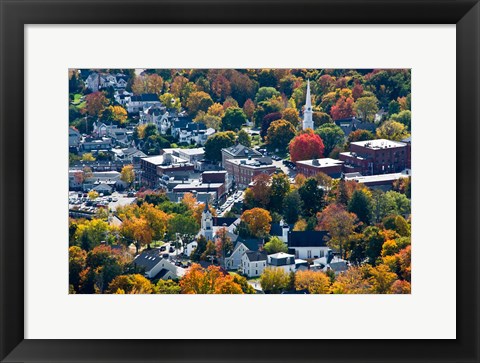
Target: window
x,y
309,254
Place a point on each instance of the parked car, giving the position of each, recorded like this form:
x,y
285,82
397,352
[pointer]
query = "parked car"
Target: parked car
x,y
163,248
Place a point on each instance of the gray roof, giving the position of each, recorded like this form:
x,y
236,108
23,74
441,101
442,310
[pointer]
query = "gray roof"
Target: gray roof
x,y
254,256
148,259
241,151
307,239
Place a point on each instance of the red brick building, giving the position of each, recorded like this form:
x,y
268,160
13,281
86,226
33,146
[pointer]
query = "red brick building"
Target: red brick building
x,y
331,167
373,157
243,171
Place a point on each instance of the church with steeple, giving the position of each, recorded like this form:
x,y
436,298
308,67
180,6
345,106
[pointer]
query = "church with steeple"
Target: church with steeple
x,y
308,113
207,223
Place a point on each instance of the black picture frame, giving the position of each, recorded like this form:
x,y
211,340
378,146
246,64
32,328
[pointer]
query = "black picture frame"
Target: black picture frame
x,y
16,14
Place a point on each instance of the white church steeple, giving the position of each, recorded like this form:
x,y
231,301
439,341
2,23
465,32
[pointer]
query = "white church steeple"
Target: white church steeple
x,y
308,113
207,223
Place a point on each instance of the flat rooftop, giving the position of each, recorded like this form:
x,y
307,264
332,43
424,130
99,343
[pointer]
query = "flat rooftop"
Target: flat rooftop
x,y
252,163
379,144
380,178
320,163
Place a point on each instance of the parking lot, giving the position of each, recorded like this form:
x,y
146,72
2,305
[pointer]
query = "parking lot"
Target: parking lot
x,y
79,201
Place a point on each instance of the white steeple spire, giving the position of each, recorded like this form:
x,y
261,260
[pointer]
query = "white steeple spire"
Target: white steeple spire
x,y
307,113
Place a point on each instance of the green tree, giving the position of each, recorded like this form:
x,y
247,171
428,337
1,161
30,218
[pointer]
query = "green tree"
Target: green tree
x,y
280,186
274,280
184,225
366,108
275,245
392,130
217,142
265,93
91,233
361,204
166,287
233,119
312,197
292,205
280,133
404,117
244,138
332,136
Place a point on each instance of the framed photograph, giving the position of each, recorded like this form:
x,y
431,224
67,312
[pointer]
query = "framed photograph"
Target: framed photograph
x,y
232,175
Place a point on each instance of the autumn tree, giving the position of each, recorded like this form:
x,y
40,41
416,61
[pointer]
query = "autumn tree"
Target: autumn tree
x,y
171,102
392,130
381,279
366,108
198,101
114,114
306,146
279,134
88,157
314,282
166,287
274,280
130,284
352,281
249,108
208,281
137,231
216,110
77,259
91,233
92,194
233,119
404,117
275,245
156,218
360,135
291,115
332,136
339,223
261,190
258,221
127,174
217,142
223,244
401,287
343,108
96,103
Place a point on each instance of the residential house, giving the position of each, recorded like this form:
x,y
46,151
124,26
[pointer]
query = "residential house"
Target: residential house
x,y
155,266
74,138
254,262
233,261
350,124
282,260
137,103
308,244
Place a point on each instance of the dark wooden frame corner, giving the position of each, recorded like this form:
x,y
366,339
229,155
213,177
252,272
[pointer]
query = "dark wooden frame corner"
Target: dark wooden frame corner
x,y
15,14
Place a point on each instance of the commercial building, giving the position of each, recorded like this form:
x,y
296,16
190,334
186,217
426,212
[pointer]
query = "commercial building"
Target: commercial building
x,y
238,151
243,171
331,167
373,157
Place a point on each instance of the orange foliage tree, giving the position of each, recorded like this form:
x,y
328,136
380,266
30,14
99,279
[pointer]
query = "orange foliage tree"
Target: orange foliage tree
x,y
257,221
306,146
208,281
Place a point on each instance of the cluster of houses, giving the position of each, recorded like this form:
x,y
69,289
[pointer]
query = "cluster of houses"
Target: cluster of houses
x,y
306,250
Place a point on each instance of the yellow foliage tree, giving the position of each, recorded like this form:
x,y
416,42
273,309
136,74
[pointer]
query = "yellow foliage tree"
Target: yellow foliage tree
x,y
258,221
314,282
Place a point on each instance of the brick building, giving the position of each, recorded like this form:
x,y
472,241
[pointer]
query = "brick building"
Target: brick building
x,y
331,167
243,171
373,157
238,151
152,168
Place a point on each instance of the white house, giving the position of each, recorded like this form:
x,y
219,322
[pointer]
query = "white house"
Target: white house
x,y
308,244
190,247
254,262
282,260
234,260
330,262
135,104
156,266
